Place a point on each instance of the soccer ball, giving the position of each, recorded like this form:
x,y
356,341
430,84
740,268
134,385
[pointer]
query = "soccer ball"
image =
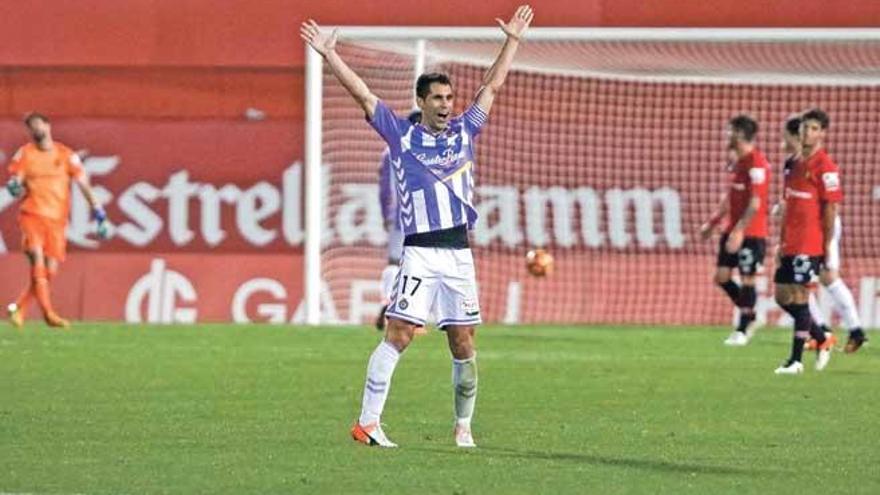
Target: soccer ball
x,y
539,262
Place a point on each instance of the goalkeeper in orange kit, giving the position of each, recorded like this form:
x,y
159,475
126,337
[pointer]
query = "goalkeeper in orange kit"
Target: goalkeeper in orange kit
x,y
41,172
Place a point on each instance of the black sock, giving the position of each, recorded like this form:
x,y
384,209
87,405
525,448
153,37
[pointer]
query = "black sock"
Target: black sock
x,y
732,290
803,325
746,302
797,350
744,320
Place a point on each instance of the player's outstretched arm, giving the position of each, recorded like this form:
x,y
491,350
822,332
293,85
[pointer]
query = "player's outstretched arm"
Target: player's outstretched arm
x,y
497,73
325,45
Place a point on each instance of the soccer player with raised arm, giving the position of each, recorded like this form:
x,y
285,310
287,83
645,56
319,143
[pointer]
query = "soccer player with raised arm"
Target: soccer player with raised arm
x,y
844,303
744,240
812,194
433,164
41,172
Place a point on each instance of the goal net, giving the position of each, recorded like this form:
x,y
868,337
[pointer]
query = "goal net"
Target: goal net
x,y
607,150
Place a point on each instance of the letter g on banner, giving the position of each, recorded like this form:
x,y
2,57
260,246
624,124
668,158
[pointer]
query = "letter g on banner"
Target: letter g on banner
x,y
161,289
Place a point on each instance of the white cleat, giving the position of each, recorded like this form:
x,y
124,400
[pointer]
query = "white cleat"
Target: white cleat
x,y
823,354
736,339
752,328
371,435
822,358
463,437
793,368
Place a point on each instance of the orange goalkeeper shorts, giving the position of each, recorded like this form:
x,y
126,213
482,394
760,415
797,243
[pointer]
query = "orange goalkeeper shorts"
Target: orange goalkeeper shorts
x,y
44,233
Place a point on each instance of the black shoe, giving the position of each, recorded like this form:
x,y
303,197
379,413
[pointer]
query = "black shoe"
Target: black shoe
x,y
856,340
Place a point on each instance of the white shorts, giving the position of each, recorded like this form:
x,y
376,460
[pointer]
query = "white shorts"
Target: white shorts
x,y
441,281
832,257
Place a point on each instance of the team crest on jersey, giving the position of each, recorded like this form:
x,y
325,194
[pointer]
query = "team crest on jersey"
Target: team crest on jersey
x,y
403,304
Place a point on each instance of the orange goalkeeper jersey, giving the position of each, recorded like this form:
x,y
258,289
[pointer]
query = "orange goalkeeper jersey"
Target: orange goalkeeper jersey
x,y
46,175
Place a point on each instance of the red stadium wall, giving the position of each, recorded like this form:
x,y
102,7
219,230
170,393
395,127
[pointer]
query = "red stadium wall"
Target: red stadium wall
x,y
265,33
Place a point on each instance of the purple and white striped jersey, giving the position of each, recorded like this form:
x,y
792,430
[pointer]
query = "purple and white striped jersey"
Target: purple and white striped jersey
x,y
433,173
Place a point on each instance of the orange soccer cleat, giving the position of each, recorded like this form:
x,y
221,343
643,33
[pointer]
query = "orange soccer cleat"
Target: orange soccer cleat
x,y
53,320
371,435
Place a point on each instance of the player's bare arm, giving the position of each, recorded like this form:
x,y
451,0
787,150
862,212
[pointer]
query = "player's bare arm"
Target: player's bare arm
x,y
497,73
735,239
708,227
325,44
829,214
85,186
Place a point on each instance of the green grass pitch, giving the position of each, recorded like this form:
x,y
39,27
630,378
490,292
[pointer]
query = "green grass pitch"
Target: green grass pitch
x,y
219,409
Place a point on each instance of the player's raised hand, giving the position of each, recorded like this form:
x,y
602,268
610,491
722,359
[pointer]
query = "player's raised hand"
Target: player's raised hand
x,y
518,23
320,40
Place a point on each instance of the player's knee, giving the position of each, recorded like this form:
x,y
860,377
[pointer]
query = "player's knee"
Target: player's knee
x,y
399,333
748,296
722,277
461,341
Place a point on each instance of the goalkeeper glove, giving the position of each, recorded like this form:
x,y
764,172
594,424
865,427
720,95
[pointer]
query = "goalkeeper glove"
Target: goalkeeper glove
x,y
15,187
100,216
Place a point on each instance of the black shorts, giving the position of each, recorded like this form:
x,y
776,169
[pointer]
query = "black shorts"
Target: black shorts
x,y
748,259
800,269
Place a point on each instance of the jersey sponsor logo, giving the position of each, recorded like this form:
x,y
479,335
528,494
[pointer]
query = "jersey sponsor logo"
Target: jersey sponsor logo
x,y
738,186
831,181
798,194
470,307
758,175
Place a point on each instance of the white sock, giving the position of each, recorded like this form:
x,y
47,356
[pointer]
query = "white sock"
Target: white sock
x,y
464,384
844,304
815,311
379,371
388,276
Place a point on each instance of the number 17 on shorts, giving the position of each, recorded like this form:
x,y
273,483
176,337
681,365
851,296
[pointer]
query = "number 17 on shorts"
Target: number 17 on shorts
x,y
439,281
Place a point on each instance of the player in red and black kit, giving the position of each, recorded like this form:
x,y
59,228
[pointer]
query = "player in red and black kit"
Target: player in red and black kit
x,y
811,197
743,241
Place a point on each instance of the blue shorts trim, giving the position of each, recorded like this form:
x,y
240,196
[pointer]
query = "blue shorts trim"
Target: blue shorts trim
x,y
406,318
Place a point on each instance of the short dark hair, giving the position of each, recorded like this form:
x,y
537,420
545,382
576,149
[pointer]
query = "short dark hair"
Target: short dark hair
x,y
793,124
818,115
424,82
415,116
31,116
746,125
